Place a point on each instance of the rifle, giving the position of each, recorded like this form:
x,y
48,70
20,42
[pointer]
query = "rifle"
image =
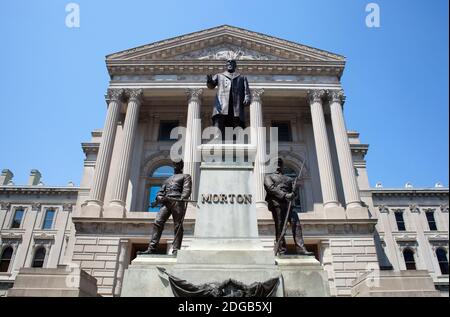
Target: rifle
x,y
157,203
283,232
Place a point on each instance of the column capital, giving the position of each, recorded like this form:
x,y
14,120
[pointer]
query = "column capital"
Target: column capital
x,y
257,94
316,95
114,94
135,94
194,94
336,96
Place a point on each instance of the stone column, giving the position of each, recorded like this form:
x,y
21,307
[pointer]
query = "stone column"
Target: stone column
x,y
94,204
258,139
193,137
351,190
117,204
327,180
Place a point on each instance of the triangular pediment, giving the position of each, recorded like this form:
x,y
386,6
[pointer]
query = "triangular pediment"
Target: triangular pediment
x,y
223,41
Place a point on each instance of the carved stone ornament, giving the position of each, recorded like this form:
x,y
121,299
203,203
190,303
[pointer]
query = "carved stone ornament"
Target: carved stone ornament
x,y
5,205
316,95
114,94
414,208
228,288
225,52
134,95
194,94
383,209
257,94
444,208
336,96
36,206
67,207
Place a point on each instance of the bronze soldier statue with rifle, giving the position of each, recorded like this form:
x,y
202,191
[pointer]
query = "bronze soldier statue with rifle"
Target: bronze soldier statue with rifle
x,y
280,196
173,198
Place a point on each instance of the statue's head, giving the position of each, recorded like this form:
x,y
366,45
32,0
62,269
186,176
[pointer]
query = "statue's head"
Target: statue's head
x,y
231,65
178,167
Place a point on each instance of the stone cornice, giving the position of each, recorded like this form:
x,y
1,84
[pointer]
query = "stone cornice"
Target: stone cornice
x,y
411,192
228,34
38,190
205,67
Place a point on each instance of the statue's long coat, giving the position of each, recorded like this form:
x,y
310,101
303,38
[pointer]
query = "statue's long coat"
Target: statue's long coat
x,y
232,85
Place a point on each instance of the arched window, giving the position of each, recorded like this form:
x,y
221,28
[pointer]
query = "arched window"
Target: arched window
x,y
299,202
410,262
154,182
441,255
39,257
5,259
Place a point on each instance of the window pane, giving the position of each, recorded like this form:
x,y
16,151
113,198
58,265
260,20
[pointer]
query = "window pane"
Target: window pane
x,y
400,221
431,221
163,172
284,131
409,259
442,259
48,220
17,220
152,197
39,257
165,127
5,260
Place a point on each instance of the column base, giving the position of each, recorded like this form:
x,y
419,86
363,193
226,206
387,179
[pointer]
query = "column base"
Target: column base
x,y
92,209
116,209
334,211
357,212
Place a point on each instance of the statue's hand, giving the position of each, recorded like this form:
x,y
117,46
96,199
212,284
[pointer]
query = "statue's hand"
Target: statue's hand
x,y
290,196
246,101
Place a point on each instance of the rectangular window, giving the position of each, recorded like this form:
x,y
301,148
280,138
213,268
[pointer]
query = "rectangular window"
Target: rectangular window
x,y
17,220
284,130
48,220
165,127
400,221
431,220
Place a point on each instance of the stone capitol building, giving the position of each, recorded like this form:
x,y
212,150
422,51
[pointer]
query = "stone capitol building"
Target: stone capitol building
x,y
80,240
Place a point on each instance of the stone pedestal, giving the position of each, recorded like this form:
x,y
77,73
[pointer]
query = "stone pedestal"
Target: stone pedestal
x,y
395,284
226,244
303,276
60,282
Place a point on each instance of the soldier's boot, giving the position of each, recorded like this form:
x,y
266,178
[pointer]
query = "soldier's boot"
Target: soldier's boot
x,y
297,233
152,246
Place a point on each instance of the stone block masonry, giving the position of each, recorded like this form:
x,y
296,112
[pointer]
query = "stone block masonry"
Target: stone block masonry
x,y
351,258
99,256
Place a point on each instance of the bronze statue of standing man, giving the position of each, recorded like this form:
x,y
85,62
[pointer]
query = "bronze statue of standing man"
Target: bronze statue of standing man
x,y
232,97
173,197
280,191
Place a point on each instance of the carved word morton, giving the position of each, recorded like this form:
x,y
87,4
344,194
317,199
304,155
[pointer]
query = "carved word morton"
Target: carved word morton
x,y
226,199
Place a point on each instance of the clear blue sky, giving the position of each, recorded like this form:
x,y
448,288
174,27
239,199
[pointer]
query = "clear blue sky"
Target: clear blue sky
x,y
396,80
